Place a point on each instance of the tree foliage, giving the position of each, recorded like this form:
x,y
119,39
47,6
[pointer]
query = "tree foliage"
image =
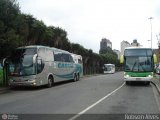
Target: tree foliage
x,y
109,55
19,29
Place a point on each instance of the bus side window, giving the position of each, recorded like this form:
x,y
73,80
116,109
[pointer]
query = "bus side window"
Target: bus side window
x,y
39,66
57,56
67,57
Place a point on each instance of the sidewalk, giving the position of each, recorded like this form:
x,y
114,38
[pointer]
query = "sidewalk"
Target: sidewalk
x,y
3,89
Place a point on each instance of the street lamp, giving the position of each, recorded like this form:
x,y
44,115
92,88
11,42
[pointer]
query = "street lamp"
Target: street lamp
x,y
150,18
148,42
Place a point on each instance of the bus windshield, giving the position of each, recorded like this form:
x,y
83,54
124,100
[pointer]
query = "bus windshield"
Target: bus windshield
x,y
108,67
138,64
21,62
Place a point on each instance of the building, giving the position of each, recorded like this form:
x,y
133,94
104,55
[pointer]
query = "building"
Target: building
x,y
117,52
105,43
135,43
124,44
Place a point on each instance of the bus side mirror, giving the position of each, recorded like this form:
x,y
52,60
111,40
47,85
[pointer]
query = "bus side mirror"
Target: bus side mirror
x,y
4,62
122,59
155,59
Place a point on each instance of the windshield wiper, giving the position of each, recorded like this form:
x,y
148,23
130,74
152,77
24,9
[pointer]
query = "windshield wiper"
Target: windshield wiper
x,y
142,67
134,65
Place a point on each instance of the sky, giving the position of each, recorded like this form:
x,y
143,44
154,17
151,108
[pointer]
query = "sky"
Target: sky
x,y
88,21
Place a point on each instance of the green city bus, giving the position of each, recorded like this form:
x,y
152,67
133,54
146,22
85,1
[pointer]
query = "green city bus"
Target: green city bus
x,y
138,64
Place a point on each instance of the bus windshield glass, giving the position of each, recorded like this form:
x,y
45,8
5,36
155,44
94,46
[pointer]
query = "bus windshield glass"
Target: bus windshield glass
x,y
107,67
138,60
21,62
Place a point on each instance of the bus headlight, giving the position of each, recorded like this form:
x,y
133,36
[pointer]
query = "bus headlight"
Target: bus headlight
x,y
32,80
127,75
34,83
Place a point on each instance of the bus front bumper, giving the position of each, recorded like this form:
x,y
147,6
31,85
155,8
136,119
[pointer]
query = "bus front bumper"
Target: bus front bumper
x,y
138,78
22,83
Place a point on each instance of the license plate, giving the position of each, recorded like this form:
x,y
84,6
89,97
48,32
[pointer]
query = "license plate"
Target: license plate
x,y
138,79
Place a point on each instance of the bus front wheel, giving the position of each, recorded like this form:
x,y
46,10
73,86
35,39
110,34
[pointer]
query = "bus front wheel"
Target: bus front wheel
x,y
78,77
50,82
75,77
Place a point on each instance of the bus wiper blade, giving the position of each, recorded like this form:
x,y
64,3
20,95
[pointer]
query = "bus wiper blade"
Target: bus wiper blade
x,y
133,65
142,67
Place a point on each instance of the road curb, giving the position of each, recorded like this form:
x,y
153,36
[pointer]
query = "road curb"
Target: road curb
x,y
157,87
3,89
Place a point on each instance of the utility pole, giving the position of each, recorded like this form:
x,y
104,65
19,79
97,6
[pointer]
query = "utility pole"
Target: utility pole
x,y
150,18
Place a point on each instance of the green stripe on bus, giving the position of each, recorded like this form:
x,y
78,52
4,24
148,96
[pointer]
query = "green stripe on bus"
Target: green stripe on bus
x,y
136,74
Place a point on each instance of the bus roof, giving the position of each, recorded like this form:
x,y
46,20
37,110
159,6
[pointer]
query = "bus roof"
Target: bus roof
x,y
40,46
52,48
137,48
33,46
59,50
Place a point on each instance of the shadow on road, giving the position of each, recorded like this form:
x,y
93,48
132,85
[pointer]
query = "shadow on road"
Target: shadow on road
x,y
28,88
139,84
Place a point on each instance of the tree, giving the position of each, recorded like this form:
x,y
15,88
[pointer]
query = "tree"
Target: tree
x,y
9,38
18,29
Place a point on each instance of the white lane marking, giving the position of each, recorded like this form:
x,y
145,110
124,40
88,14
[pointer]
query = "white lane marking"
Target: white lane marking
x,y
88,108
156,97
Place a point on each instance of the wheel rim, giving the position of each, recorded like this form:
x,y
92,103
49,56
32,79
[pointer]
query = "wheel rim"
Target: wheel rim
x,y
49,82
75,78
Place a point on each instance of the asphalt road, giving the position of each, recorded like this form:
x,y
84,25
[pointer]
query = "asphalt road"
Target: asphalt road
x,y
95,96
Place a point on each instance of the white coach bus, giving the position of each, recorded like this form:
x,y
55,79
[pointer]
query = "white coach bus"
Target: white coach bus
x,y
109,68
41,65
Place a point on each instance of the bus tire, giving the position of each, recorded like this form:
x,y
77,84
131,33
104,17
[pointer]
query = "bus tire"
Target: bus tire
x,y
78,78
75,77
50,82
147,83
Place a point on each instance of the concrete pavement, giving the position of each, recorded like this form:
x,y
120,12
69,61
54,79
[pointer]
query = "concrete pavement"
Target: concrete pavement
x,y
3,89
156,80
